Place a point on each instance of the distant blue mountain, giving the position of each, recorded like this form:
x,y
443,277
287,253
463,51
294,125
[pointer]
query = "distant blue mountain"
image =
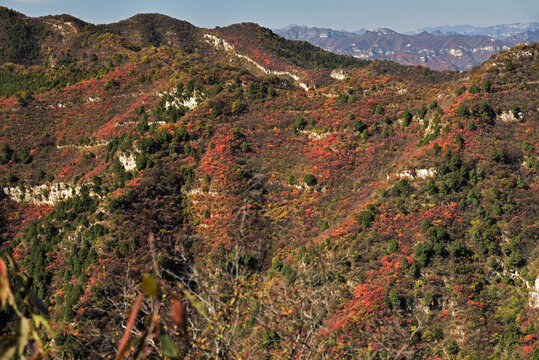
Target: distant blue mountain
x,y
498,32
441,49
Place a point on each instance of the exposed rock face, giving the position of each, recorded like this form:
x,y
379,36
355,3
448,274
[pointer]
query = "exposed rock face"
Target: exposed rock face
x,y
221,44
507,117
534,294
338,74
42,194
315,135
178,100
128,161
533,288
190,103
415,174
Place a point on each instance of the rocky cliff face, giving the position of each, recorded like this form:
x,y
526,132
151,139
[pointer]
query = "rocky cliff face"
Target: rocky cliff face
x,y
42,194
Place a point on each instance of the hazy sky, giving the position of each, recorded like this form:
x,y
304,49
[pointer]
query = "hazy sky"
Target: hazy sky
x,y
400,15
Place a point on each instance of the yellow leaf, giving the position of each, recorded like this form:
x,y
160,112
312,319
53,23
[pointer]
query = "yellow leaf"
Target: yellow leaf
x,y
150,285
23,329
193,300
40,320
8,354
4,290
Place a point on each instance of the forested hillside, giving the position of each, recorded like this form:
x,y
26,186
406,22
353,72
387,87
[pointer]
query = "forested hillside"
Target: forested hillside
x,y
176,192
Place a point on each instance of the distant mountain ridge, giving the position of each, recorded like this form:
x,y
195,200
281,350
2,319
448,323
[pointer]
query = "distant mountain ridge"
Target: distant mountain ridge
x,y
443,48
525,37
499,32
297,32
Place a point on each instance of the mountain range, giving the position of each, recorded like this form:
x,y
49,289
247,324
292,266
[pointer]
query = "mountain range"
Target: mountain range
x,y
175,192
498,32
444,48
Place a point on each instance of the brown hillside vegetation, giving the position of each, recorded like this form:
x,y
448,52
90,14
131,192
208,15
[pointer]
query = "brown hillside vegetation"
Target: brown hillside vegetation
x,y
175,192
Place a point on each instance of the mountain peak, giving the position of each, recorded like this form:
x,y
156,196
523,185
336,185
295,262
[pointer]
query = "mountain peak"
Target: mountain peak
x,y
360,31
384,31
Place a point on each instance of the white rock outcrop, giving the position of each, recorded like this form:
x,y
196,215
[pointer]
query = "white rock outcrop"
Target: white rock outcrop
x,y
97,143
338,74
92,99
315,135
191,103
221,44
42,194
534,294
456,52
218,43
128,161
415,174
508,116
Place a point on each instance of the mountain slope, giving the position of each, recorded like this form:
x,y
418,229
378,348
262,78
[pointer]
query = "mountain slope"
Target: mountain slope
x,y
239,195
